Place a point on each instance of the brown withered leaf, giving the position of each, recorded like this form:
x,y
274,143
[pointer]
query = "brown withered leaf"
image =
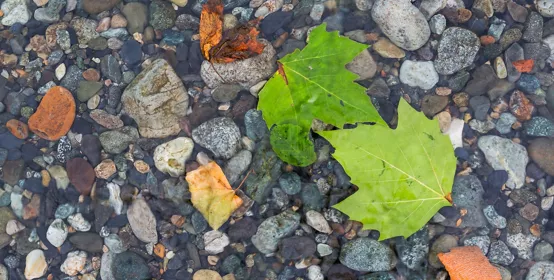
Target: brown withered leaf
x,y
237,43
211,26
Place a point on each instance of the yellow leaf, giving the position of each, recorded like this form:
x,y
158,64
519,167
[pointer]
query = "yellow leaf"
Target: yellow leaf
x,y
212,194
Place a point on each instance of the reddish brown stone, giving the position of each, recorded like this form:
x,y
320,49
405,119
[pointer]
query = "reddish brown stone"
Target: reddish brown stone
x,y
18,128
32,209
54,115
12,171
520,106
91,75
487,40
80,174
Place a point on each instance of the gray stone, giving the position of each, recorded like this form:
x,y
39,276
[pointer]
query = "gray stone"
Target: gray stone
x,y
110,68
457,50
543,270
543,251
467,193
142,221
273,229
116,141
494,218
442,244
523,244
481,241
363,65
162,15
129,265
255,126
402,23
413,251
505,122
533,28
500,254
226,92
88,89
220,135
420,74
15,11
237,165
266,167
137,16
480,106
72,78
504,154
246,72
364,254
290,183
156,100
437,24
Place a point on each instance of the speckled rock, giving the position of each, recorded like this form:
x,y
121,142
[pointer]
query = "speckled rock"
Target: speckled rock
x,y
220,135
457,49
364,254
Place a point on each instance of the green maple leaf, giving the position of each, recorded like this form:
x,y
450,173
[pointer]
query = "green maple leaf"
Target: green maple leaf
x,y
404,175
315,85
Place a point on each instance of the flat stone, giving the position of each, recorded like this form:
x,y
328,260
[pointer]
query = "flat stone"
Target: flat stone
x,y
142,221
35,264
220,135
420,74
402,23
156,100
504,154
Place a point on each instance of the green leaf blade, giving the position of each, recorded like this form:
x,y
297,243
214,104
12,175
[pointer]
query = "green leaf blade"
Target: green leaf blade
x,y
403,175
291,142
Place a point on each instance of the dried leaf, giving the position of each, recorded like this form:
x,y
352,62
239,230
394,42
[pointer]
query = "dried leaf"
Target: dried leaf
x,y
468,263
211,26
212,194
237,43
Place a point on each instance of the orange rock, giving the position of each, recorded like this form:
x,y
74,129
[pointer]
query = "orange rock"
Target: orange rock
x,y
54,115
159,250
487,40
468,263
18,128
524,65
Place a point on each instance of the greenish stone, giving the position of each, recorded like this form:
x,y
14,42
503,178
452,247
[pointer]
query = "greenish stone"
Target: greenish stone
x,y
130,266
6,214
312,198
230,264
539,126
88,89
550,98
267,169
5,199
98,43
290,183
27,111
162,15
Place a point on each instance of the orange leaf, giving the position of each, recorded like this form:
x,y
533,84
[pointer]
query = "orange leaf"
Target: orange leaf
x,y
524,65
212,194
211,26
468,263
